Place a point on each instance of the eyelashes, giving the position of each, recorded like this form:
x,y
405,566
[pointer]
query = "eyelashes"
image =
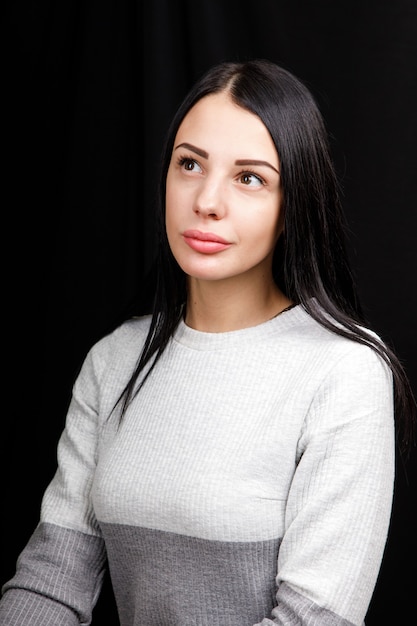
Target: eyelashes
x,y
248,173
246,176
183,160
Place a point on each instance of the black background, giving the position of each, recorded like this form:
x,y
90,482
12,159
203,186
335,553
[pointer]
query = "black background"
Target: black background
x,y
88,90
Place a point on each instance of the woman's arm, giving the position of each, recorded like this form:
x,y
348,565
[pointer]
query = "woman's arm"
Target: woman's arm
x,y
59,572
339,506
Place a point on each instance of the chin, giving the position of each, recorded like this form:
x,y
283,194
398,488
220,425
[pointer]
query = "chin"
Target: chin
x,y
207,269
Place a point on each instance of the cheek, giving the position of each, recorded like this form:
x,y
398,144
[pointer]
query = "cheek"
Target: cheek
x,y
277,221
174,221
169,226
262,229
174,200
169,191
279,226
171,207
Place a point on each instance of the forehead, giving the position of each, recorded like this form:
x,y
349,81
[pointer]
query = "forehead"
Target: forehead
x,y
217,124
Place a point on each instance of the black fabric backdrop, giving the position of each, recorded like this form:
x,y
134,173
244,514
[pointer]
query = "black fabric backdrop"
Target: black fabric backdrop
x,y
88,90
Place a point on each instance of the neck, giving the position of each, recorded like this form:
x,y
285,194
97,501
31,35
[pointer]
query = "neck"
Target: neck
x,y
222,306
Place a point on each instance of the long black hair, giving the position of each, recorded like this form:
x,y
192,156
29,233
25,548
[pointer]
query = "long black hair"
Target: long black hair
x,y
310,264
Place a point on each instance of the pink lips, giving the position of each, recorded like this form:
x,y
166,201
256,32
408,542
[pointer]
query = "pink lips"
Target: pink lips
x,y
206,243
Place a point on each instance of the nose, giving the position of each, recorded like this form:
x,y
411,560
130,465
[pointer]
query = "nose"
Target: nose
x,y
210,199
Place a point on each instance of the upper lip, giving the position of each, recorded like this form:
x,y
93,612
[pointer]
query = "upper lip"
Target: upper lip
x,y
203,236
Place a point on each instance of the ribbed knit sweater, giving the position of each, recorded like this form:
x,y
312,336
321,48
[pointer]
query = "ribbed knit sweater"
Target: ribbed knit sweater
x,y
250,482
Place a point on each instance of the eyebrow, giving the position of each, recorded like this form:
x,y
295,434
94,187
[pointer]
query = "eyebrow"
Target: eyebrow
x,y
205,155
198,151
255,162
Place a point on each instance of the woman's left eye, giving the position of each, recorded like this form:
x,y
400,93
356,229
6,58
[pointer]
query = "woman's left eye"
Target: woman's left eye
x,y
251,180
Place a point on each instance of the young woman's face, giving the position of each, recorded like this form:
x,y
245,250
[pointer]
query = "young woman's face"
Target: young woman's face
x,y
223,195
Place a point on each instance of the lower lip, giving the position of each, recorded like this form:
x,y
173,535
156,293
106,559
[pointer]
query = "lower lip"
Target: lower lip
x,y
206,247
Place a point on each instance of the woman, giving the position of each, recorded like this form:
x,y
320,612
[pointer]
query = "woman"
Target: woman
x,y
240,471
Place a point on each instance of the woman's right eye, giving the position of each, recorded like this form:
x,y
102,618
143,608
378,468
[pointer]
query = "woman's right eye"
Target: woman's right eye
x,y
190,165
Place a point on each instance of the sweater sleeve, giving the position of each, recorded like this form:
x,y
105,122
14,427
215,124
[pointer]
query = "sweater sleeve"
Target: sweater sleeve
x,y
339,505
59,572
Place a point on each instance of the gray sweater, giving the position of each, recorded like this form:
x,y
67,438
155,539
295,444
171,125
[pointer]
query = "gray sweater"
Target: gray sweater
x,y
250,482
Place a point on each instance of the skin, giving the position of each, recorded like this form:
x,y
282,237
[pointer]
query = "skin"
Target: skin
x,y
223,178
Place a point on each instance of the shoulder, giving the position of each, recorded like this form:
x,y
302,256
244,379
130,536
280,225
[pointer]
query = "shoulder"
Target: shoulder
x,y
133,330
335,352
118,351
335,336
126,339
355,366
352,387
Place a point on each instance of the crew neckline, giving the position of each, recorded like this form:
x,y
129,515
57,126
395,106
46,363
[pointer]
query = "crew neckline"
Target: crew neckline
x,y
202,340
